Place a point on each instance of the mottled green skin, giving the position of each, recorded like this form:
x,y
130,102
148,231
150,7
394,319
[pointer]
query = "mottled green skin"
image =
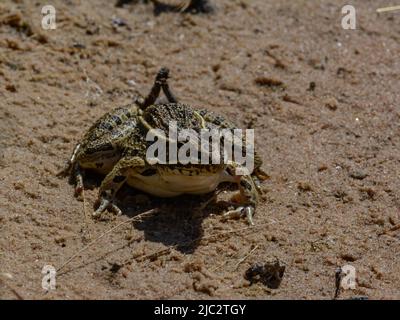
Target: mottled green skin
x,y
116,146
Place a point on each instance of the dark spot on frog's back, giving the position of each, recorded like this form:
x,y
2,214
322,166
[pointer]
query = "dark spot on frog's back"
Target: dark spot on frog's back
x,y
245,184
127,113
218,120
106,126
117,120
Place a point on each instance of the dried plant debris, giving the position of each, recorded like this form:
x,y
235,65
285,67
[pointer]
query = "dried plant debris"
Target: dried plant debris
x,y
268,82
16,21
269,274
192,6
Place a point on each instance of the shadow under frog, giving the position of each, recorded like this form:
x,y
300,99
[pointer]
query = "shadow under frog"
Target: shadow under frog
x,y
179,221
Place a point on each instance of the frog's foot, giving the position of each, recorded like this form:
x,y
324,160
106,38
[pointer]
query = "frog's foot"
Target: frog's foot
x,y
78,177
110,186
241,212
105,204
79,184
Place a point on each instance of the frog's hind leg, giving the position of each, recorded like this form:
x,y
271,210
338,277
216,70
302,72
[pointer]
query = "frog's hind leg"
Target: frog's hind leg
x,y
160,81
168,93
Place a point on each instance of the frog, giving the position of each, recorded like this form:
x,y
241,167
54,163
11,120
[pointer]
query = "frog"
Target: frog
x,y
194,6
116,146
184,5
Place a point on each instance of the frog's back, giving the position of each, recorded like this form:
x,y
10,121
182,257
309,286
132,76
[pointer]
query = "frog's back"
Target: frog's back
x,y
161,116
214,120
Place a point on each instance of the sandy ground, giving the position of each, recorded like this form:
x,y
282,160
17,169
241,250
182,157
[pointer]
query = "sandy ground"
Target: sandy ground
x,y
324,103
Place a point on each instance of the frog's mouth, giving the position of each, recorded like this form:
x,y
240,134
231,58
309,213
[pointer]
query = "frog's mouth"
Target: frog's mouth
x,y
101,162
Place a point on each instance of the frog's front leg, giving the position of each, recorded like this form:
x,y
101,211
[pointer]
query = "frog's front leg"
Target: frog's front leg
x,y
73,168
66,170
78,175
247,197
113,182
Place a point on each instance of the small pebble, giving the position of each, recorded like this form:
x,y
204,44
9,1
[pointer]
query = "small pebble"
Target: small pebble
x,y
331,103
350,257
358,175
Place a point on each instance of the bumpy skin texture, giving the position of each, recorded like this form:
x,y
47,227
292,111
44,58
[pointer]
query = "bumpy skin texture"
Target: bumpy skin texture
x,y
203,6
195,6
116,146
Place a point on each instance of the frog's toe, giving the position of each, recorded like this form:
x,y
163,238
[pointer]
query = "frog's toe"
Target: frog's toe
x,y
79,192
79,182
241,212
104,205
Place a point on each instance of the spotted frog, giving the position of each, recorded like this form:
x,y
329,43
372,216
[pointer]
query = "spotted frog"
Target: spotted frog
x,y
116,146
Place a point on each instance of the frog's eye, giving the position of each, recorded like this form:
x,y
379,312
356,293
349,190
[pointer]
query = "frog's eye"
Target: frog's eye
x,y
149,172
99,148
